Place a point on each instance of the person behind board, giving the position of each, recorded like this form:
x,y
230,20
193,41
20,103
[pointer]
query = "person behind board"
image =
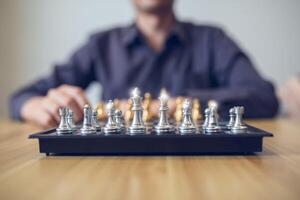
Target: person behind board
x,y
156,51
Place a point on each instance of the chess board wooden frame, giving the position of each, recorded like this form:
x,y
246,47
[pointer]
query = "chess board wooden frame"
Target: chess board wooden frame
x,y
200,143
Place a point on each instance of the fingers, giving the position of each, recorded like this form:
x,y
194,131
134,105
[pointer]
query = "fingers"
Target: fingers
x,y
290,96
52,108
44,110
65,100
45,119
291,91
33,111
294,88
75,92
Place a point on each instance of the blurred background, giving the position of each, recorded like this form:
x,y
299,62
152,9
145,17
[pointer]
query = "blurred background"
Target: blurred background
x,y
35,34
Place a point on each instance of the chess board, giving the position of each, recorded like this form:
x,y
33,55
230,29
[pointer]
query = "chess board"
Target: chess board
x,y
150,143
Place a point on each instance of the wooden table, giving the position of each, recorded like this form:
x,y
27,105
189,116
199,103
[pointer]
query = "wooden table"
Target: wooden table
x,y
272,174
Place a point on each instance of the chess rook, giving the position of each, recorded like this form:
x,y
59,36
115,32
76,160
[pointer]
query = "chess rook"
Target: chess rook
x,y
87,127
64,127
163,125
120,120
212,123
111,126
137,126
187,125
95,122
70,119
238,126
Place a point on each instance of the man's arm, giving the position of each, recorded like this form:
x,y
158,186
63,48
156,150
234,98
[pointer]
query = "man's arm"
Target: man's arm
x,y
39,101
236,82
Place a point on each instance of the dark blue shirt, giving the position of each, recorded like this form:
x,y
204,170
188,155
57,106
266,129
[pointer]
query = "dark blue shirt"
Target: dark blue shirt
x,y
195,61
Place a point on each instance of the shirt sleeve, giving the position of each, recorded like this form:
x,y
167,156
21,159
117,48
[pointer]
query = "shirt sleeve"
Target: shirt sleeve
x,y
78,71
236,82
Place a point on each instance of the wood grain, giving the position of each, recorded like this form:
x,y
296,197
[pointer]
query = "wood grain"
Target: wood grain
x,y
272,174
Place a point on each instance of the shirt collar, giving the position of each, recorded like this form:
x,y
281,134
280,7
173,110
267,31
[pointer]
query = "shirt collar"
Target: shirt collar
x,y
132,35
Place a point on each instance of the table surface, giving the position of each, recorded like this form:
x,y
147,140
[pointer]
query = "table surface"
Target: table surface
x,y
272,174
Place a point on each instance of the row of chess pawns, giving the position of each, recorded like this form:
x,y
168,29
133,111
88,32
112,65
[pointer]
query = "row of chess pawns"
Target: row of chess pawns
x,y
115,122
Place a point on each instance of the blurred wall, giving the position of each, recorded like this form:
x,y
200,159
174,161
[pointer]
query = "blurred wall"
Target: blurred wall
x,y
35,34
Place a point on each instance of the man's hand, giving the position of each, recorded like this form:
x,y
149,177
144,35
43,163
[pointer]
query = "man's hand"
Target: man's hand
x,y
43,110
289,94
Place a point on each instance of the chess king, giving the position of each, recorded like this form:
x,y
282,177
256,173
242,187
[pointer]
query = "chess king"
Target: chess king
x,y
137,126
156,51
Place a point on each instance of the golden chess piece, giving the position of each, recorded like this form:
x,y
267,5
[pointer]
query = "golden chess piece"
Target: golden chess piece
x,y
101,114
128,114
196,111
147,115
178,111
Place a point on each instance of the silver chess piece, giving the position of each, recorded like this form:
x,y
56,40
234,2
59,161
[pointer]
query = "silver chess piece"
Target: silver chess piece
x,y
206,115
87,127
95,122
212,124
213,104
187,125
238,126
120,120
111,126
137,126
64,127
163,125
70,119
231,118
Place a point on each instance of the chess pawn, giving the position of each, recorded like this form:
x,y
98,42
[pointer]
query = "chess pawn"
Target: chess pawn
x,y
111,126
163,125
119,120
206,115
64,127
137,126
231,118
87,127
147,115
238,126
196,113
178,110
95,122
187,125
70,119
212,124
101,115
